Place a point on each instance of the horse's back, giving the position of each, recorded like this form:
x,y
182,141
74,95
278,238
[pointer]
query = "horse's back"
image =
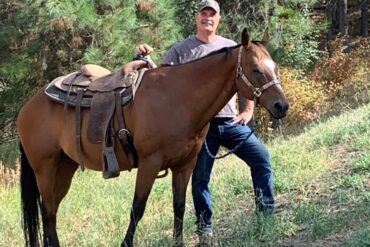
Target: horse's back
x,y
46,128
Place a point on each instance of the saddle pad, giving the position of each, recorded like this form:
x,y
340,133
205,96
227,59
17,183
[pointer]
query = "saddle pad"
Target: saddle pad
x,y
60,96
61,83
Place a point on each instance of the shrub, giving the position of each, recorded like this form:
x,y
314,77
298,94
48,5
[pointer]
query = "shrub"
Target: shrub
x,y
344,74
305,97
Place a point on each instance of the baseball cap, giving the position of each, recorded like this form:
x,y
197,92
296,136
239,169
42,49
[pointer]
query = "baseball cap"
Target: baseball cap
x,y
210,4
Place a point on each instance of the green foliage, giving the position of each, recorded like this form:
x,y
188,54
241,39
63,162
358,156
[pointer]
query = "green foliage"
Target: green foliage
x,y
296,42
294,36
186,10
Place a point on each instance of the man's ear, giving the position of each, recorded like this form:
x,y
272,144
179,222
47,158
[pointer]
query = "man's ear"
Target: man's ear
x,y
246,40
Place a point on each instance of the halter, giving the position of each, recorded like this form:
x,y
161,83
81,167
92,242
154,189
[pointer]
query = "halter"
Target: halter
x,y
257,91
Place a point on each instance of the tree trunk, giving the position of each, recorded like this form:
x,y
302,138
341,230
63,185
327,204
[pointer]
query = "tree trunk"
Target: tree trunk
x,y
342,17
365,18
329,10
329,18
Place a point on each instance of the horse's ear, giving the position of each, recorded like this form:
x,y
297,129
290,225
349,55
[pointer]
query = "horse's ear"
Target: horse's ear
x,y
246,39
266,38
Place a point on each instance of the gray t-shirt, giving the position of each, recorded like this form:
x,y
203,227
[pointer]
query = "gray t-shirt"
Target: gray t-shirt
x,y
192,48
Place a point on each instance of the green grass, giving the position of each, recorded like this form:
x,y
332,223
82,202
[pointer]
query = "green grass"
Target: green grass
x,y
322,179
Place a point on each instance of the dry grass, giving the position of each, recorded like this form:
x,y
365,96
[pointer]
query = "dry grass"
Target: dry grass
x,y
9,177
334,71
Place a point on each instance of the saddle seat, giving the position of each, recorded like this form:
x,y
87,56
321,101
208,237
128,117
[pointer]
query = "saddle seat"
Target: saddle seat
x,y
95,78
104,93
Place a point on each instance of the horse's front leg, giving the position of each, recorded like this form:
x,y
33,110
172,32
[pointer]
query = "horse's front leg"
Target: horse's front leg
x,y
180,180
147,173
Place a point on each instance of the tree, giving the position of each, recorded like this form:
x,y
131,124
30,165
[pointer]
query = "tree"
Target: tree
x,y
342,17
330,17
365,18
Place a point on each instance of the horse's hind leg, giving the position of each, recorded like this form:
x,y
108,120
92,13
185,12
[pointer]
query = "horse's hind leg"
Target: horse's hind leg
x,y
53,183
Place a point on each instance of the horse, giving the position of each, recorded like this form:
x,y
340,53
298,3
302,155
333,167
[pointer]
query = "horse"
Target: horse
x,y
168,119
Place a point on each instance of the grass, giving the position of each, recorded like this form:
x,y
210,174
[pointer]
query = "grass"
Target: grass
x,y
322,179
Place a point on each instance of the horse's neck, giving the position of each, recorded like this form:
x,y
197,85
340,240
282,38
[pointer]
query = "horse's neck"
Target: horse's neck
x,y
187,96
211,88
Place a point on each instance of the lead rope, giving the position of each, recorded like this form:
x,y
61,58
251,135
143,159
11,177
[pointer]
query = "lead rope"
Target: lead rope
x,y
230,151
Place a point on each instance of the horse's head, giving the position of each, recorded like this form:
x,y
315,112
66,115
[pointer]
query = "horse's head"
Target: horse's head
x,y
258,77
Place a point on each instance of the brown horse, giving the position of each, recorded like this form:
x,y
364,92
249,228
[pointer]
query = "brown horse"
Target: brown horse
x,y
168,120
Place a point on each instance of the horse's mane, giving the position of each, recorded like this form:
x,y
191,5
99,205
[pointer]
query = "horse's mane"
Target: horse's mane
x,y
222,50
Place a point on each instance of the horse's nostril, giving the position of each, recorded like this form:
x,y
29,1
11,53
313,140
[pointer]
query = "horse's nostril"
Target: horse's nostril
x,y
280,107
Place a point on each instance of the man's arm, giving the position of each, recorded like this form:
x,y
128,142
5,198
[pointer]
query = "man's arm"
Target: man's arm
x,y
246,108
171,58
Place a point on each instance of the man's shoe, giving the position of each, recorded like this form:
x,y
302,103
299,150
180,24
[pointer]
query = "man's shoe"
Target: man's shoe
x,y
204,230
205,233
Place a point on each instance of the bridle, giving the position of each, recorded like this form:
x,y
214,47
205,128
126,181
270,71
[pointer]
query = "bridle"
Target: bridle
x,y
257,91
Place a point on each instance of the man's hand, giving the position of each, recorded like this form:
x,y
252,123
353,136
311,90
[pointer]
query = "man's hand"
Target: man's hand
x,y
143,49
248,107
243,118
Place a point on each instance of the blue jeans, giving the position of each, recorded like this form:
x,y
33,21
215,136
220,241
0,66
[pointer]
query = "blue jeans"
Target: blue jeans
x,y
252,152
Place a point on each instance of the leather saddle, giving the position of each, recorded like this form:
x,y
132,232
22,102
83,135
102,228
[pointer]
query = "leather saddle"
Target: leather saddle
x,y
104,93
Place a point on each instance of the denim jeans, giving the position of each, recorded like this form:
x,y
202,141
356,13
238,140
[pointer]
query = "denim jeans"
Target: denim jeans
x,y
252,152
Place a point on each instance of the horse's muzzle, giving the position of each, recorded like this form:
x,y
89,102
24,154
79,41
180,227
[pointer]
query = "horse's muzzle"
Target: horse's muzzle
x,y
279,109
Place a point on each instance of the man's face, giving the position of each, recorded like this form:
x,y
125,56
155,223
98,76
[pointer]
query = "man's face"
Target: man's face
x,y
207,20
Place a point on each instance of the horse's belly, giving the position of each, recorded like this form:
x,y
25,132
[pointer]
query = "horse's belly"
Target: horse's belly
x,y
91,152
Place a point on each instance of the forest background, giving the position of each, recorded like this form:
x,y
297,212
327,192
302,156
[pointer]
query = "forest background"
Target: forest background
x,y
43,39
320,152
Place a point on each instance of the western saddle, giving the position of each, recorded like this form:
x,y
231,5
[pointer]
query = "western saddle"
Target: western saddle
x,y
105,93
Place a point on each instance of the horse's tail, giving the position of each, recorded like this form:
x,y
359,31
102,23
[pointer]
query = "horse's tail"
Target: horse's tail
x,y
30,199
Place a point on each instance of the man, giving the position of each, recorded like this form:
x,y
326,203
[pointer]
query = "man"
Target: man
x,y
227,128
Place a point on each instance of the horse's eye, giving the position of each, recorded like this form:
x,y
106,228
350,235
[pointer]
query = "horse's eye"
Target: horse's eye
x,y
257,71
